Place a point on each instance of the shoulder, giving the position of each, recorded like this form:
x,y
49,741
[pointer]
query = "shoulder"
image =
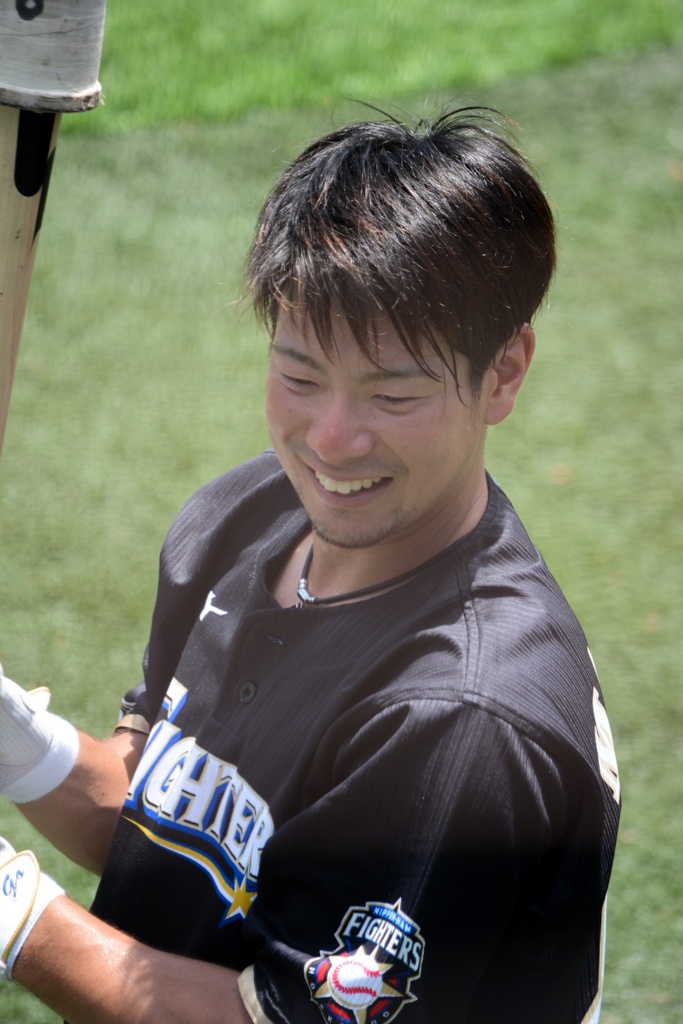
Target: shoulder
x,y
230,517
532,661
242,502
232,491
488,626
528,659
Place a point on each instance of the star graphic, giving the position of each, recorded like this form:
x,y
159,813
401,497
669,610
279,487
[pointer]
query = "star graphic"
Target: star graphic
x,y
236,896
354,981
241,899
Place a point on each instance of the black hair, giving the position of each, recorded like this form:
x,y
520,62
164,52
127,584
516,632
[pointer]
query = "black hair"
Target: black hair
x,y
439,226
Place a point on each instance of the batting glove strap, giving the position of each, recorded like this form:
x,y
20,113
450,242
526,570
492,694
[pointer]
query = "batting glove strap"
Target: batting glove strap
x,y
37,749
24,895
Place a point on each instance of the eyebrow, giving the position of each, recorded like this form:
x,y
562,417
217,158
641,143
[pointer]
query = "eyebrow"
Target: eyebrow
x,y
381,373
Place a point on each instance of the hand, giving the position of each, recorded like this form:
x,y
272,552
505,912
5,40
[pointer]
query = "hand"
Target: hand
x,y
37,749
24,895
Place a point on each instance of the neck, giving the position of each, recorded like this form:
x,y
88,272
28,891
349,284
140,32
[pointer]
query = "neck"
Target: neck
x,y
336,569
340,570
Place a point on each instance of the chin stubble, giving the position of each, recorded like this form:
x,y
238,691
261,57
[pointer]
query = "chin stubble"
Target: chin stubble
x,y
356,539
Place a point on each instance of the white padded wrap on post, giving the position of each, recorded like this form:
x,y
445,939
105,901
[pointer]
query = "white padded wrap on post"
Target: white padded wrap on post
x,y
37,749
50,54
24,895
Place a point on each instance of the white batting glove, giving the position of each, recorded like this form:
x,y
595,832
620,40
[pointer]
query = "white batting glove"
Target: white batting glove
x,y
37,749
24,894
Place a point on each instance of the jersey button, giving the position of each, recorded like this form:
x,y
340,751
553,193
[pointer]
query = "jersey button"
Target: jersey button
x,y
247,692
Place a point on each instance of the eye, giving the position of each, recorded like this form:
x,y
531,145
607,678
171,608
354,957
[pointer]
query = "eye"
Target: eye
x,y
396,401
297,383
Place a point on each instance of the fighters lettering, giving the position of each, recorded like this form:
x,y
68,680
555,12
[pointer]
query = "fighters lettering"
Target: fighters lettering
x,y
185,787
374,927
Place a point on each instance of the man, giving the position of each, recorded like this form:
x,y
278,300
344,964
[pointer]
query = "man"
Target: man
x,y
369,772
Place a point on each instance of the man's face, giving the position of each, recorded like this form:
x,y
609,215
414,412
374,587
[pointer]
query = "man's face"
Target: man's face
x,y
378,455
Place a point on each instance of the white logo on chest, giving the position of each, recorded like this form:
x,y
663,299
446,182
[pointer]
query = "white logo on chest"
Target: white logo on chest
x,y
210,607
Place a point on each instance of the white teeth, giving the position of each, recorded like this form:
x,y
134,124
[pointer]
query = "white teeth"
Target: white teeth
x,y
346,486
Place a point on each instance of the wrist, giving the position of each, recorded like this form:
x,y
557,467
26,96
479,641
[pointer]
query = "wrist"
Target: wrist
x,y
24,894
54,766
37,749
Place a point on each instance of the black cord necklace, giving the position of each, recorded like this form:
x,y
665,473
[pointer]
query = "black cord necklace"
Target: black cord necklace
x,y
306,598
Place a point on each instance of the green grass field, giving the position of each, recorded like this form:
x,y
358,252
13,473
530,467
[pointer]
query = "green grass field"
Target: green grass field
x,y
171,62
140,377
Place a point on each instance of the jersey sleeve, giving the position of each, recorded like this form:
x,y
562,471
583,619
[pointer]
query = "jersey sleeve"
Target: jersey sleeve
x,y
443,869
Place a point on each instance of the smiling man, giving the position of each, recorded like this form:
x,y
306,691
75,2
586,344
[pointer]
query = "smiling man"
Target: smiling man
x,y
386,455
369,773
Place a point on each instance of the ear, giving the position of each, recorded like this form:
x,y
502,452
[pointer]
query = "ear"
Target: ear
x,y
504,379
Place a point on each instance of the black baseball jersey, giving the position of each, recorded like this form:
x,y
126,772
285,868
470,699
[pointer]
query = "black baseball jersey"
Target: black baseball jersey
x,y
404,806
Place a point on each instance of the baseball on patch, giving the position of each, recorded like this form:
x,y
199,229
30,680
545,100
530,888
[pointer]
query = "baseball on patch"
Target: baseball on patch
x,y
355,982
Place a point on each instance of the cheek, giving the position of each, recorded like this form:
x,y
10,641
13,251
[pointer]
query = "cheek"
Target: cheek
x,y
440,445
269,404
278,407
416,447
423,437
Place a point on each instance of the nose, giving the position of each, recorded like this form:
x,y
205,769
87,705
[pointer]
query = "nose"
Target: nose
x,y
338,431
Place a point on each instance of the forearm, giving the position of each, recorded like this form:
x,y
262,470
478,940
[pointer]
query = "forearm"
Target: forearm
x,y
89,973
80,815
70,786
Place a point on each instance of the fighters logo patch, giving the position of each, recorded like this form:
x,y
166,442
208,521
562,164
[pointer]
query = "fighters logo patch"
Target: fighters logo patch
x,y
367,978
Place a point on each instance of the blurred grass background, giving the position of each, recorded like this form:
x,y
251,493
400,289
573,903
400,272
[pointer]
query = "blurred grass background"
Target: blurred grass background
x,y
139,377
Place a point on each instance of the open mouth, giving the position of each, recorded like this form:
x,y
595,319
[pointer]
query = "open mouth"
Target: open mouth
x,y
347,486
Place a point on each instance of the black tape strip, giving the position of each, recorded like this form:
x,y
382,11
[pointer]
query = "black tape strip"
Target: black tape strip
x,y
33,149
